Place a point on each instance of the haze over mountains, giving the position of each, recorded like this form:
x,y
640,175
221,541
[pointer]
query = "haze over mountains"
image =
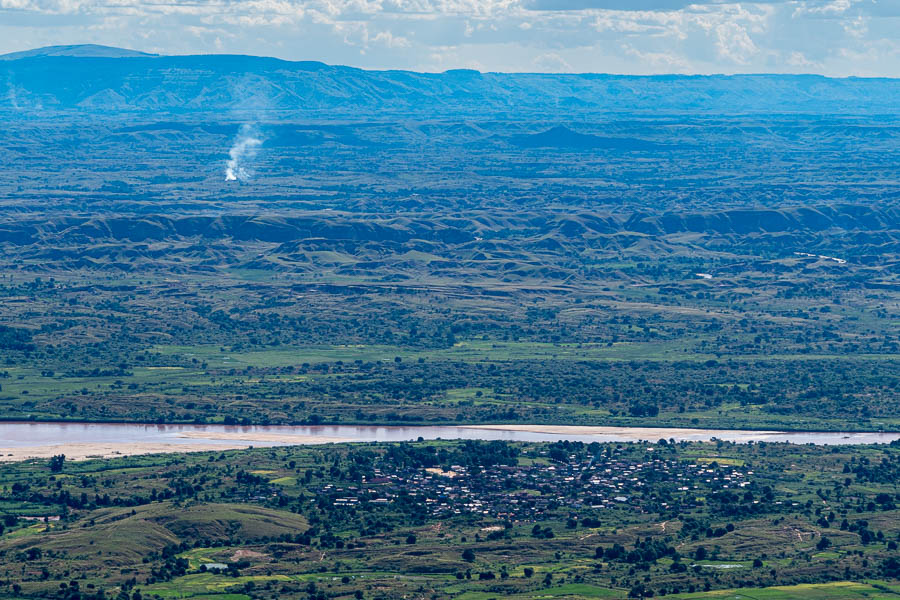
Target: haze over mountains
x,y
469,203
536,176
96,78
76,51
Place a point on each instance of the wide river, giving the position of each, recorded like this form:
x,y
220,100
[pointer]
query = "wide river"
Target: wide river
x,y
81,440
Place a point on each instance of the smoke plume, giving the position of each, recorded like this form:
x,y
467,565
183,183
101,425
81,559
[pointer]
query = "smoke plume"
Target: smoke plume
x,y
245,146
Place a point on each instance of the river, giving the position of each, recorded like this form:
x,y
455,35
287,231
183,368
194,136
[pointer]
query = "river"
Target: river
x,y
20,440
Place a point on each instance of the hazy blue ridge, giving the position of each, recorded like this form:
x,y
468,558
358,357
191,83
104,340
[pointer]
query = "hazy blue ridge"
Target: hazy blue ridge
x,y
99,79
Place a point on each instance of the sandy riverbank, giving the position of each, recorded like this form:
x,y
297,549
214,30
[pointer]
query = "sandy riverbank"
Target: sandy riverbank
x,y
632,433
287,439
86,451
218,440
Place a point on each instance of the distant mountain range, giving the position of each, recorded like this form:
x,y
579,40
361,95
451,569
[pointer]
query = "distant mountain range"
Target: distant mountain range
x,y
78,50
91,78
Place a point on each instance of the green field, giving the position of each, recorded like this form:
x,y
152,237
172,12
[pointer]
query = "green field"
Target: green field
x,y
684,520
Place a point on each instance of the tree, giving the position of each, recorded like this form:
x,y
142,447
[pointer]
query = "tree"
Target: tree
x,y
891,568
411,539
823,543
468,555
56,463
638,591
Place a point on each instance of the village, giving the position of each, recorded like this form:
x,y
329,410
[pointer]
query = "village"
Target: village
x,y
617,480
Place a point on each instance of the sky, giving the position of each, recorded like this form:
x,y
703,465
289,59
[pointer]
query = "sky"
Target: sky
x,y
830,37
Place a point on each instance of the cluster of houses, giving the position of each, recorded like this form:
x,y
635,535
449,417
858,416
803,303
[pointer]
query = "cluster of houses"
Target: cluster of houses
x,y
539,484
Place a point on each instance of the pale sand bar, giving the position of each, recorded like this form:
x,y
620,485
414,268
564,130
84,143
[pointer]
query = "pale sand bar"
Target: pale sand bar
x,y
85,451
231,441
286,439
634,433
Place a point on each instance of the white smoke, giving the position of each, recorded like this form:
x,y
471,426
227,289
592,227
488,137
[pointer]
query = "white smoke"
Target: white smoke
x,y
245,147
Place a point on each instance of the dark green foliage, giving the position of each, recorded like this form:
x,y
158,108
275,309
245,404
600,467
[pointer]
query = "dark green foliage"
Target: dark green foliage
x,y
57,462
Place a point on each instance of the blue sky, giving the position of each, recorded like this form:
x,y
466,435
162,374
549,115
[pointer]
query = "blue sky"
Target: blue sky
x,y
831,37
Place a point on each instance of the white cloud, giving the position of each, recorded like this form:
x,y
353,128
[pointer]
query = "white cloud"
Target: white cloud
x,y
797,59
390,40
833,8
858,27
551,63
734,43
659,61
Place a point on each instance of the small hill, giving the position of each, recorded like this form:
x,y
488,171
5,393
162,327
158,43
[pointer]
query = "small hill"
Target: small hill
x,y
563,137
77,51
124,535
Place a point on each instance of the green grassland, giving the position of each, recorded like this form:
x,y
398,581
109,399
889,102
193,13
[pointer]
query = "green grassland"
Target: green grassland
x,y
476,381
273,517
477,351
838,590
780,343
